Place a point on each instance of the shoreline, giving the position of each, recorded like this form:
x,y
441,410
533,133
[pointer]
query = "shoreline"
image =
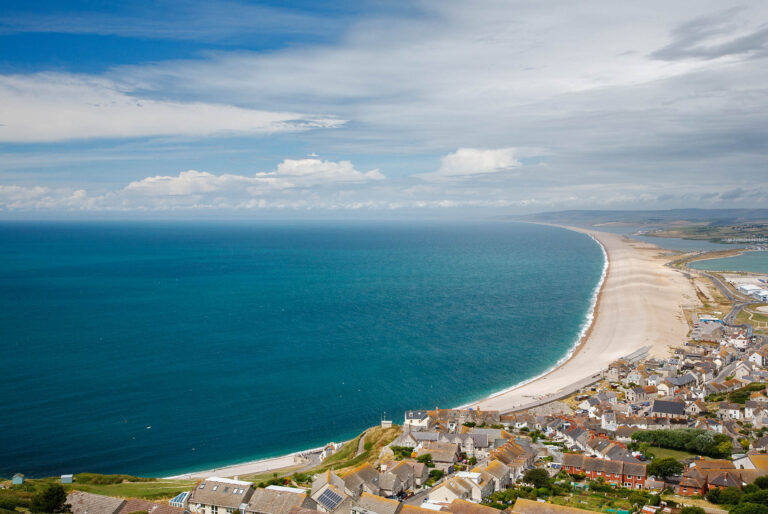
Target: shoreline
x,y
584,332
610,336
561,376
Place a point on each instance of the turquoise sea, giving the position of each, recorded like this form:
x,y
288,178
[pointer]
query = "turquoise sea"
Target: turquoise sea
x,y
756,262
158,348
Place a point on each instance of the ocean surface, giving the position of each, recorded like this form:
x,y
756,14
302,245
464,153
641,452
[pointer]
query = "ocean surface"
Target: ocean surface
x,y
756,262
154,349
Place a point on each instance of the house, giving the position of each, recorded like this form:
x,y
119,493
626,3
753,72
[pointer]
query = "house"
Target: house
x,y
454,488
278,500
635,394
88,503
66,479
668,409
416,420
372,504
330,492
444,455
363,478
216,494
703,475
465,507
501,474
399,478
727,410
133,505
695,408
619,473
17,479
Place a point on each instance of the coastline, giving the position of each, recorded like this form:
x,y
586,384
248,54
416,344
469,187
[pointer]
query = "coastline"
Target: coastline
x,y
637,309
596,346
584,332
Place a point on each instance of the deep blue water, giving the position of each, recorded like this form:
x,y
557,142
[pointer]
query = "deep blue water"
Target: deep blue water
x,y
236,341
756,262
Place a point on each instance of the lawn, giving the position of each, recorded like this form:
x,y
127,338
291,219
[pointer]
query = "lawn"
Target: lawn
x,y
661,453
157,490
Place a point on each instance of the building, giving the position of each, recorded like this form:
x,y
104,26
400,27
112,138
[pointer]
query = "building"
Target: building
x,y
618,473
525,506
278,500
668,409
216,495
372,504
87,503
66,479
18,479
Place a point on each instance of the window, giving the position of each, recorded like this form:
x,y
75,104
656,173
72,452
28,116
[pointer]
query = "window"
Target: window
x,y
202,485
226,489
214,509
215,487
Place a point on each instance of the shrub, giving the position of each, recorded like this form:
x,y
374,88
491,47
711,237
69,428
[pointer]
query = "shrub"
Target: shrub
x,y
749,508
762,482
692,510
730,496
537,477
51,498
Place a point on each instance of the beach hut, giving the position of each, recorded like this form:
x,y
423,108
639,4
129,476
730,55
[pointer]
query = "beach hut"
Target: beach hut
x,y
18,479
66,479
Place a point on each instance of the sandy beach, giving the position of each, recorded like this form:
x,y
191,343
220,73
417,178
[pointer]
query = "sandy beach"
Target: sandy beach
x,y
639,306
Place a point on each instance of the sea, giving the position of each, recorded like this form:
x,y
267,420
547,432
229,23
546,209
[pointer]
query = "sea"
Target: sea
x,y
161,348
752,261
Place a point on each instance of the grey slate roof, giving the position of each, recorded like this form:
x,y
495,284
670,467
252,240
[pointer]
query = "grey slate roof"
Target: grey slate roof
x,y
668,407
87,503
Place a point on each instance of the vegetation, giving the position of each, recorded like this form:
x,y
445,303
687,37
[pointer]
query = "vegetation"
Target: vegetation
x,y
434,476
740,395
426,459
346,457
401,452
537,477
696,441
50,498
752,500
665,467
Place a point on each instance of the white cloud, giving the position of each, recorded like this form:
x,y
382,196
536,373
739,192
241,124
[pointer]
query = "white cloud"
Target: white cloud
x,y
318,171
58,107
468,162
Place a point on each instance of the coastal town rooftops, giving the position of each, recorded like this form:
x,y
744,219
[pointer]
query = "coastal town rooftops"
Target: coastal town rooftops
x,y
85,503
222,492
137,505
416,415
460,506
377,504
277,501
670,407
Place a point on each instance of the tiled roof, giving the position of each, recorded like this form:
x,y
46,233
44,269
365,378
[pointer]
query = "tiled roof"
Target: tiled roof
x,y
87,503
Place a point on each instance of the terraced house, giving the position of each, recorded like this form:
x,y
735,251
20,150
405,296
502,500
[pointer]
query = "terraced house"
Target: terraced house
x,y
618,473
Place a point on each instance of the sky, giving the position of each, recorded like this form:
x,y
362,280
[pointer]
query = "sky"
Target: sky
x,y
358,109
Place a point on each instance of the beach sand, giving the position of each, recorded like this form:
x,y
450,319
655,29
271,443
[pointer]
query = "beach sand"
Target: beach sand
x,y
639,306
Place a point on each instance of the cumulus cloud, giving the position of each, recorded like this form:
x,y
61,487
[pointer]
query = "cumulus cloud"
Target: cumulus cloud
x,y
318,171
57,107
469,162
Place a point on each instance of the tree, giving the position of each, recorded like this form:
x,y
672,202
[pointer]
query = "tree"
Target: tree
x,y
713,496
692,510
760,496
537,477
749,508
472,461
665,467
730,496
426,459
51,498
762,482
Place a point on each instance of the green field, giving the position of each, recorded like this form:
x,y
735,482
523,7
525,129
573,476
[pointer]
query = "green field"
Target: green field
x,y
661,453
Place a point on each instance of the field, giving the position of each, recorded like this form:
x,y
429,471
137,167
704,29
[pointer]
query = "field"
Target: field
x,y
661,453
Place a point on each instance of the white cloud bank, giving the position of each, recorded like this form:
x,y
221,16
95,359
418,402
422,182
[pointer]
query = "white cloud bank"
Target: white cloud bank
x,y
49,107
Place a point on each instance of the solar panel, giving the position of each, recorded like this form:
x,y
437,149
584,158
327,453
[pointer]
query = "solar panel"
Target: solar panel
x,y
329,499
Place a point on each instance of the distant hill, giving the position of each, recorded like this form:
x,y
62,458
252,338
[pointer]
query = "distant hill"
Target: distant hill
x,y
661,217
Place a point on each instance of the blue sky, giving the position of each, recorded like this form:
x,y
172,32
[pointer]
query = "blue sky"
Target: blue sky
x,y
379,109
